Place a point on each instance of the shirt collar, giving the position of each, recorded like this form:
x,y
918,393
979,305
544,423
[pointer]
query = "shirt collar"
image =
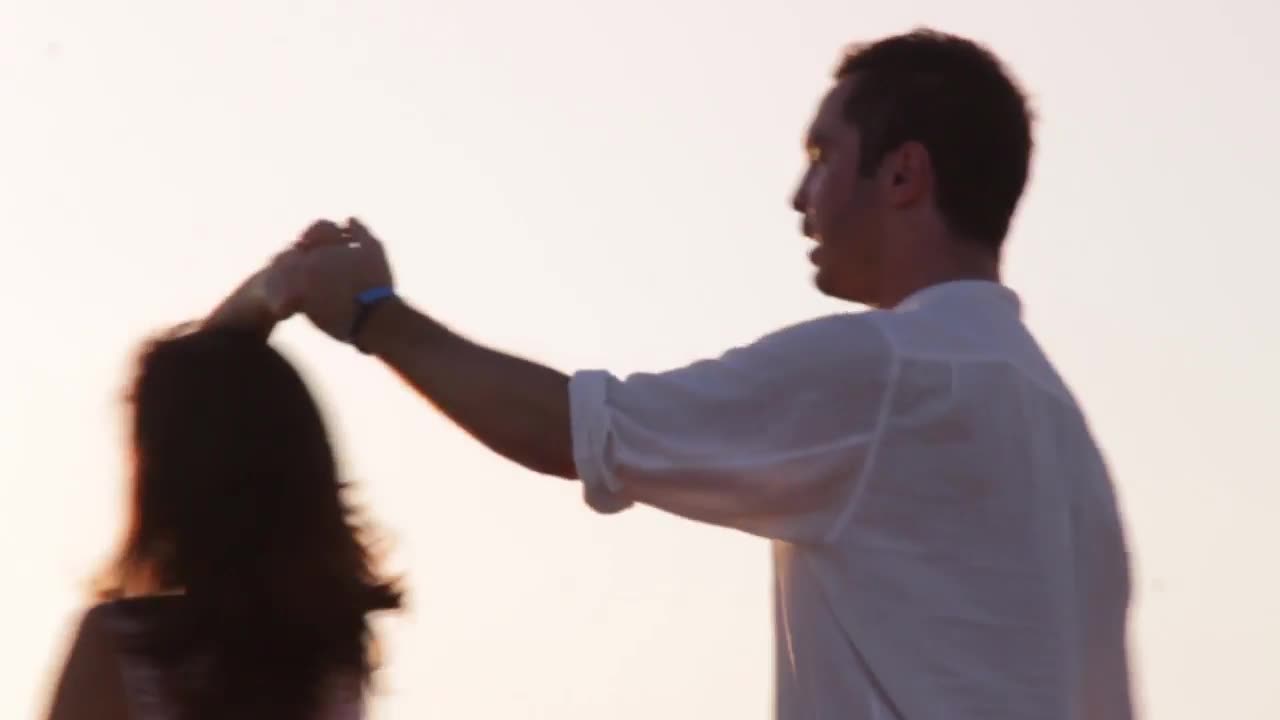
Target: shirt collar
x,y
961,292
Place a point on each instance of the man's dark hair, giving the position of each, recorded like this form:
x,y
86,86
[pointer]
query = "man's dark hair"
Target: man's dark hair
x,y
956,98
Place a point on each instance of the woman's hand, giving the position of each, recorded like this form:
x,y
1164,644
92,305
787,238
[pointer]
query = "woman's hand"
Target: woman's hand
x,y
267,297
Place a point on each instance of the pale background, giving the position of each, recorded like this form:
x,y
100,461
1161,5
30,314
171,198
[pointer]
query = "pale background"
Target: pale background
x,y
600,183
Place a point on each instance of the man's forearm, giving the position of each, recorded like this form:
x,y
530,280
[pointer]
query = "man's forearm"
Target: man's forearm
x,y
517,408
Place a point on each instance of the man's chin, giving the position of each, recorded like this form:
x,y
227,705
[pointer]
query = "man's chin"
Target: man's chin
x,y
823,282
832,287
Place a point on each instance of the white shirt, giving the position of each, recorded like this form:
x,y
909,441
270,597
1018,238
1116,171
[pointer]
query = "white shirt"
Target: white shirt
x,y
946,538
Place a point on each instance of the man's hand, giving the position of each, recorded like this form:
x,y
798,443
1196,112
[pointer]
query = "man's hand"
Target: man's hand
x,y
332,265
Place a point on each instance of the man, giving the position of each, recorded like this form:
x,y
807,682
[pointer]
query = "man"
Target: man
x,y
946,539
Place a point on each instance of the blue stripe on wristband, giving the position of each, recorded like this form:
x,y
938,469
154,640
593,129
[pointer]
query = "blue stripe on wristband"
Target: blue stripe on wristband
x,y
366,301
375,294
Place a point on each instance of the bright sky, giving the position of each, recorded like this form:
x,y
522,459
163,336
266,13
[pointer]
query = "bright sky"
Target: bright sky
x,y
605,184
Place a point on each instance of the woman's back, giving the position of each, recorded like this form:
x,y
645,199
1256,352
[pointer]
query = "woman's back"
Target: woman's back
x,y
243,586
128,622
121,684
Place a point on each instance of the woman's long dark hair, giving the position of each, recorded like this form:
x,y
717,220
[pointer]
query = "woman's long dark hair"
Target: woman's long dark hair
x,y
237,507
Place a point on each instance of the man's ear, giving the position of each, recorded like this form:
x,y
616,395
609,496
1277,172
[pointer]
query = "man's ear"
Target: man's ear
x,y
906,174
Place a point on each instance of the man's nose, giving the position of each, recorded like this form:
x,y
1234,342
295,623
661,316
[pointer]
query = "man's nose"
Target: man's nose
x,y
800,199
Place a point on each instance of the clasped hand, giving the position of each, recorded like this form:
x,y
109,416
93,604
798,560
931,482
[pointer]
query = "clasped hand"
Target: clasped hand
x,y
319,276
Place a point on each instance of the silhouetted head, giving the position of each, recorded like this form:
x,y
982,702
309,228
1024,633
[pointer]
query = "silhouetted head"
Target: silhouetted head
x,y
921,148
237,506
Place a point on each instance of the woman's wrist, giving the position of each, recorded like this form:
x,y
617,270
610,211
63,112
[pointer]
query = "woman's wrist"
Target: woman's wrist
x,y
245,309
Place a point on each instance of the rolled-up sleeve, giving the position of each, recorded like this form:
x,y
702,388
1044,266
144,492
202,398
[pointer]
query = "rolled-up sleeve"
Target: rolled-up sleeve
x,y
770,438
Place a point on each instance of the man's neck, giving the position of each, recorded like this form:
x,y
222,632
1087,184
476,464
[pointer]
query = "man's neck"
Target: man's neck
x,y
964,263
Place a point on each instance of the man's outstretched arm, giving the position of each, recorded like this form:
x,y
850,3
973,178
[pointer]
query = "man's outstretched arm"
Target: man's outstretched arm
x,y
517,408
768,438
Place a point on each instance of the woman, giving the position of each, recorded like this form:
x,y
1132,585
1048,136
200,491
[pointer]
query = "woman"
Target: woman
x,y
243,586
